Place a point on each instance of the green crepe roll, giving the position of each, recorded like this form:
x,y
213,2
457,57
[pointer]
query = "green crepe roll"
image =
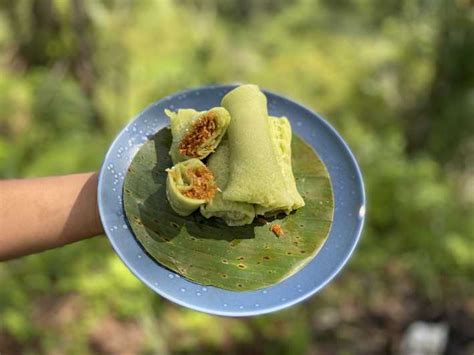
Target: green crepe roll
x,y
255,175
281,137
196,134
233,213
189,184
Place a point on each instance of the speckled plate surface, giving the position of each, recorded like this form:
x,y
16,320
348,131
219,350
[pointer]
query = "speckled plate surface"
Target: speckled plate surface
x,y
348,221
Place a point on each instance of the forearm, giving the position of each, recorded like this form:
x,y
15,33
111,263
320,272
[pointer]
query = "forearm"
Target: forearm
x,y
44,213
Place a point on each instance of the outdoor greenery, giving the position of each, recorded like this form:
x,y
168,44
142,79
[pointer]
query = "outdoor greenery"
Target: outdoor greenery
x,y
394,77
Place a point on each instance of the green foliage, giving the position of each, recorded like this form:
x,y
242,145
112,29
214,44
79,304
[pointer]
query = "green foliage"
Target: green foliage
x,y
393,77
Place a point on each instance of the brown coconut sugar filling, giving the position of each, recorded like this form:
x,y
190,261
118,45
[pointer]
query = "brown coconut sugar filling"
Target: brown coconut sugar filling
x,y
203,129
202,184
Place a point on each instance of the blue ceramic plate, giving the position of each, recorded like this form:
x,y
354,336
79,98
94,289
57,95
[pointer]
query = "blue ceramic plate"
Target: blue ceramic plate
x,y
345,232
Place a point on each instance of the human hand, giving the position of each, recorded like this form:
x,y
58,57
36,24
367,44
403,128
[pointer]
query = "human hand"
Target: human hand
x,y
43,213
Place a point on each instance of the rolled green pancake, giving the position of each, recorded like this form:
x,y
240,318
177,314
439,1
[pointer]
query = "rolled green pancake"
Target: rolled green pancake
x,y
281,137
189,184
255,176
196,134
233,213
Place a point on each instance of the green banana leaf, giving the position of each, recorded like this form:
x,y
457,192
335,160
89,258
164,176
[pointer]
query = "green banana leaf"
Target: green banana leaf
x,y
209,252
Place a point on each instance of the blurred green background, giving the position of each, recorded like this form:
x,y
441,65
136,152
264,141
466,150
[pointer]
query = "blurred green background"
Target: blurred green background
x,y
395,77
